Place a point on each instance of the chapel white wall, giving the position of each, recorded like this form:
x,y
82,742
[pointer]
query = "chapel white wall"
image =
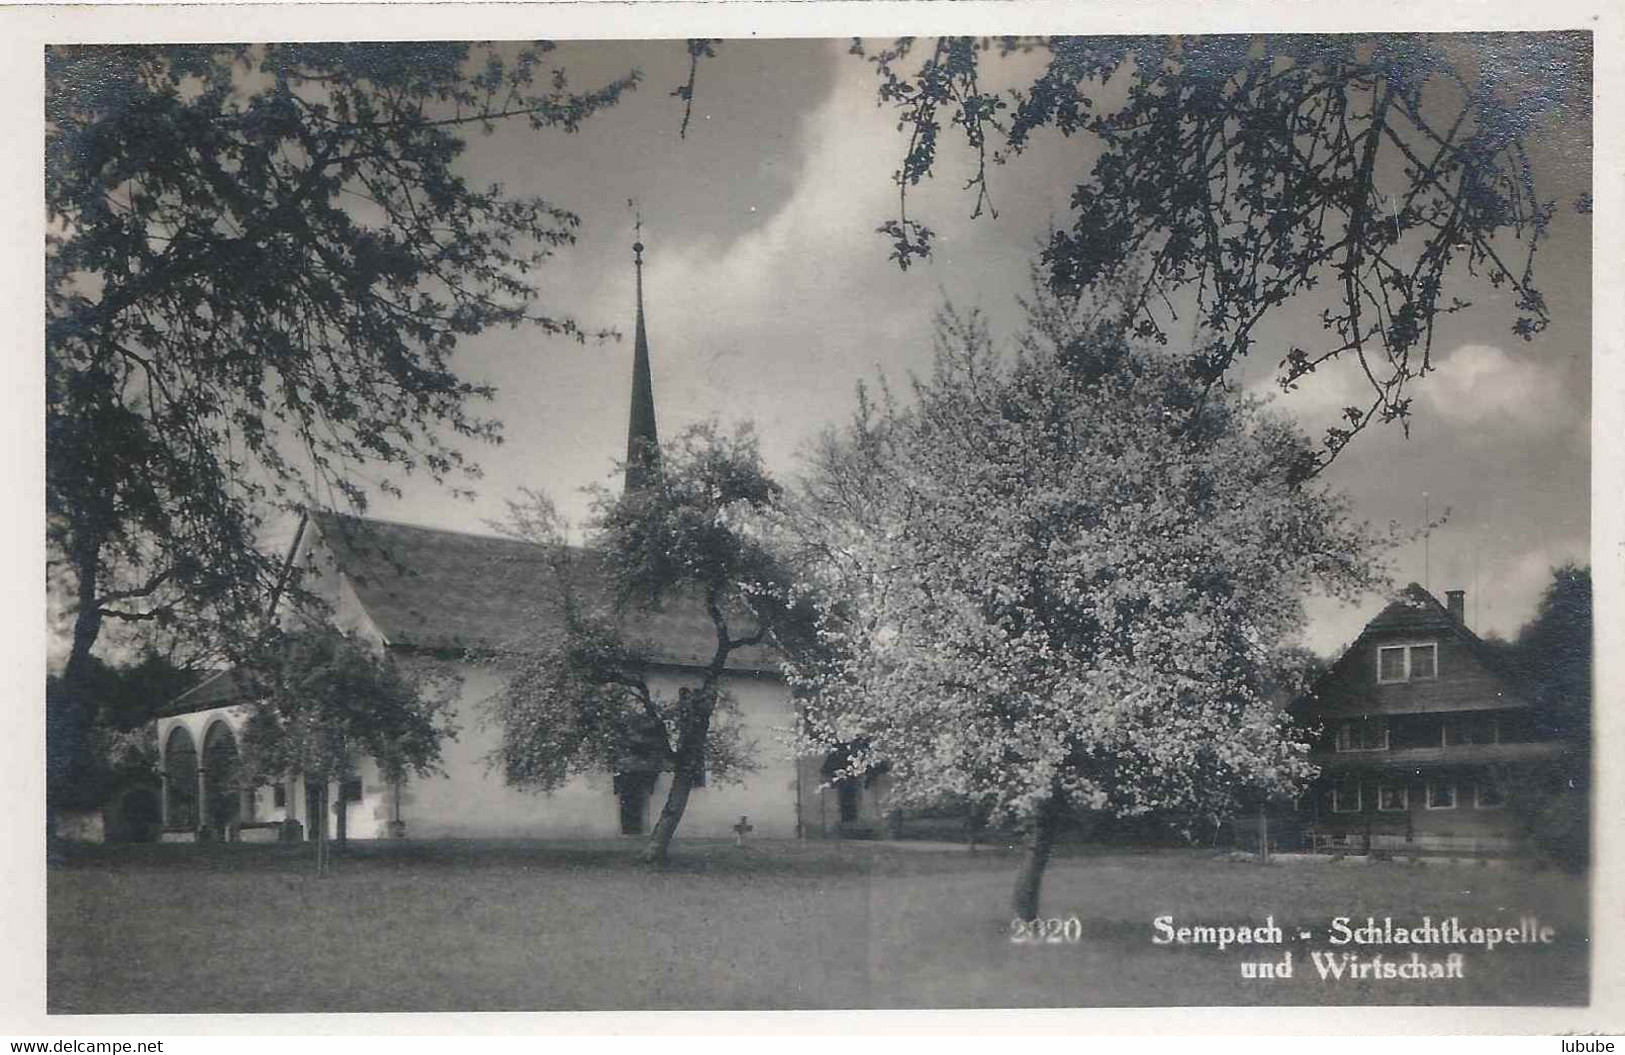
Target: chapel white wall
x,y
469,799
472,800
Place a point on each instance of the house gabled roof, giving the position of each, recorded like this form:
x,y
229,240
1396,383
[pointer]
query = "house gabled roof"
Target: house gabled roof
x,y
1415,609
1416,613
436,590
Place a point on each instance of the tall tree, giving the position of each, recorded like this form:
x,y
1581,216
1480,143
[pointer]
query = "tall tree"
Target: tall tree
x,y
260,261
323,702
1552,657
118,737
1374,180
1553,654
578,697
1066,575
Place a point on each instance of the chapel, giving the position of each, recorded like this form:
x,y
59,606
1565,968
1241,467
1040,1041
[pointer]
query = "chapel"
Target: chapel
x,y
428,595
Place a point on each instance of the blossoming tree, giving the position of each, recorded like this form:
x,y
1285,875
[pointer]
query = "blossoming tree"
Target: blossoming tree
x,y
324,701
1063,576
577,696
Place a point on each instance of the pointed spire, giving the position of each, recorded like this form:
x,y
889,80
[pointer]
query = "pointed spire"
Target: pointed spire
x,y
642,450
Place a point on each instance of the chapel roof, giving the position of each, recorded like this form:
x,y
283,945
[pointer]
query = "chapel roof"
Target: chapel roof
x,y
217,689
437,590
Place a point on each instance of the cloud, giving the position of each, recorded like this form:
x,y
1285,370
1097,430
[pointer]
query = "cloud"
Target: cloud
x,y
1318,401
1484,384
1477,385
842,187
779,323
1512,585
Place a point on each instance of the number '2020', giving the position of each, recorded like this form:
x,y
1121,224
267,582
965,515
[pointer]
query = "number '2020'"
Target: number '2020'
x,y
1051,931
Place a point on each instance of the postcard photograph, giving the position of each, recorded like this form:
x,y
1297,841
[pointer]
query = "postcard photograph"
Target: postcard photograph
x,y
818,523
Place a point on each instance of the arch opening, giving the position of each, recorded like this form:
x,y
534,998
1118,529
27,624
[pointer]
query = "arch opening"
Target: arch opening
x,y
180,779
222,779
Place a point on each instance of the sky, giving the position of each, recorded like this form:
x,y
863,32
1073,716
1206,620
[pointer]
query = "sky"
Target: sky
x,y
769,296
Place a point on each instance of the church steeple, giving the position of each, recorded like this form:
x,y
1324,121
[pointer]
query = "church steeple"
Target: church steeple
x,y
642,450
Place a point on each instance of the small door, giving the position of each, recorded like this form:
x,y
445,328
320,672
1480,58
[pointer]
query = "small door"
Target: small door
x,y
634,812
633,790
849,794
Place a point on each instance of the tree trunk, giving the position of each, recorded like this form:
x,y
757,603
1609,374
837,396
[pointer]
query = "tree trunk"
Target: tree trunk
x,y
341,817
68,720
1040,840
87,621
686,768
320,823
658,850
693,725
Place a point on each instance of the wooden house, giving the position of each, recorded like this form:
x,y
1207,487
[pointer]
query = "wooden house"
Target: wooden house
x,y
1423,740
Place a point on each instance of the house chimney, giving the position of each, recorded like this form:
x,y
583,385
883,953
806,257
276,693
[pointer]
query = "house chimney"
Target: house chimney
x,y
1456,601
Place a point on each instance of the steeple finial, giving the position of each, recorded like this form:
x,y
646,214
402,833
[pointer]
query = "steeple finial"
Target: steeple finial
x,y
642,441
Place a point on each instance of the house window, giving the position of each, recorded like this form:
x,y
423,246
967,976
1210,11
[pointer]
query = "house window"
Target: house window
x,y
1488,794
1441,796
1363,734
1393,798
350,790
1346,796
1407,663
279,796
1471,730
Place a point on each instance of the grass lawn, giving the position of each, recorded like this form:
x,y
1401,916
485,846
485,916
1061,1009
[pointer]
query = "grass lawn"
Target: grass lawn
x,y
465,926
